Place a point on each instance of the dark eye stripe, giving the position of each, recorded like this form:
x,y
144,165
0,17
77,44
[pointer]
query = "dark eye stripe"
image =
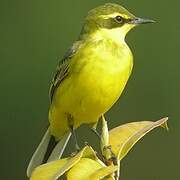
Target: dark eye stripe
x,y
119,19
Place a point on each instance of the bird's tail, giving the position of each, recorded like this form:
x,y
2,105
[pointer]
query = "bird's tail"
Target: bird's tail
x,y
48,150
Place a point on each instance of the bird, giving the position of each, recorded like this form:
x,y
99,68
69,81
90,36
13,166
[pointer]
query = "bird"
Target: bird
x,y
89,79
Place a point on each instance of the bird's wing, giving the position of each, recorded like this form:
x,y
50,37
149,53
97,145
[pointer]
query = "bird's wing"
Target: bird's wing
x,y
62,70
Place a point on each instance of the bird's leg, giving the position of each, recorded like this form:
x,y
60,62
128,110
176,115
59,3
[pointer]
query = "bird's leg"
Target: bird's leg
x,y
94,130
75,137
93,127
71,127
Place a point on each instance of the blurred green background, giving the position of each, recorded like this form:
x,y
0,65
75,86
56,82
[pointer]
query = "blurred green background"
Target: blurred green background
x,y
33,34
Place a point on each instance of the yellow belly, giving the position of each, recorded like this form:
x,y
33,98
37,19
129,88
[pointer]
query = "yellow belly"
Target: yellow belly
x,y
92,87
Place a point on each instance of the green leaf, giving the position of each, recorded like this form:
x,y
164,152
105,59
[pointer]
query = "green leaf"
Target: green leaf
x,y
104,143
103,173
47,171
124,137
83,169
55,169
90,170
83,164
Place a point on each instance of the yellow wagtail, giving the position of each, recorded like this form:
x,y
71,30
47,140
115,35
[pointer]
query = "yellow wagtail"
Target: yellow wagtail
x,y
89,79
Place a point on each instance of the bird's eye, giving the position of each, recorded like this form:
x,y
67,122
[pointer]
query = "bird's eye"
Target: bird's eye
x,y
119,19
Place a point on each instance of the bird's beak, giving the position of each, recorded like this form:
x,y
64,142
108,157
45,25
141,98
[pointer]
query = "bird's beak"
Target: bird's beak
x,y
137,21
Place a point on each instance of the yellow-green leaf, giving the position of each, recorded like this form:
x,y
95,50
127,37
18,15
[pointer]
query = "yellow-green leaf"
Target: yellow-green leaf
x,y
47,171
83,169
103,173
90,170
123,138
55,169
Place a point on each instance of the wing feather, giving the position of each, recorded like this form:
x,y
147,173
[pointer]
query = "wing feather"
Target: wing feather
x,y
62,70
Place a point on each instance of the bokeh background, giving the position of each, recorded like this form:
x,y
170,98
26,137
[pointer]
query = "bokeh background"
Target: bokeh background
x,y
34,34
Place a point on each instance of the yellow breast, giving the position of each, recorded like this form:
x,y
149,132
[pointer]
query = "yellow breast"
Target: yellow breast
x,y
97,76
104,76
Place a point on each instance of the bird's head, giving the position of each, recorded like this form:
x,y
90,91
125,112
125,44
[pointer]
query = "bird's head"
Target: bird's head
x,y
111,20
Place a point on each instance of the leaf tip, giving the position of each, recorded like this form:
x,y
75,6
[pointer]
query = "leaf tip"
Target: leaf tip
x,y
165,123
